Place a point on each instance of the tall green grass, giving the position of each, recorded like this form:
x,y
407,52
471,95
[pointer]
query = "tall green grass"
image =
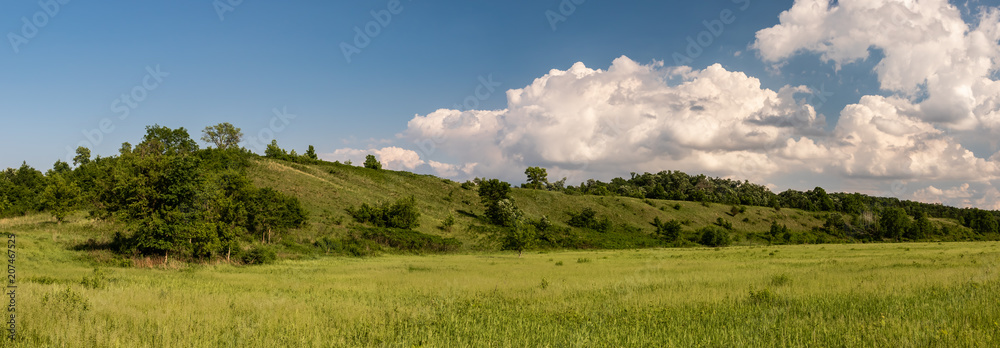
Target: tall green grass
x,y
922,294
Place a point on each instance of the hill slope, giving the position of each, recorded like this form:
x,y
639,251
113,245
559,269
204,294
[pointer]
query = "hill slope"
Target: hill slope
x,y
327,190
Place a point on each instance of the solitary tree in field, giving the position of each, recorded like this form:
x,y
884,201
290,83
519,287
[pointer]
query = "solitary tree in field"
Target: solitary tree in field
x,y
223,135
537,177
372,163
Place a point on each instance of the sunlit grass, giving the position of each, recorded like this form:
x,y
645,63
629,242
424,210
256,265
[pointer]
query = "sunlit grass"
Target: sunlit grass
x,y
923,294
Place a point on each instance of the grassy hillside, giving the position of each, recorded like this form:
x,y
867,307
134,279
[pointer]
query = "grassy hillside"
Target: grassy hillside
x,y
328,189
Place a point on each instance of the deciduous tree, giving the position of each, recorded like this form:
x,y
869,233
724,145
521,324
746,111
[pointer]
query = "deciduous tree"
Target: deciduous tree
x,y
223,135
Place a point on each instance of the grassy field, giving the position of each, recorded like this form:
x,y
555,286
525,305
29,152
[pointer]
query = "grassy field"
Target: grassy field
x,y
943,295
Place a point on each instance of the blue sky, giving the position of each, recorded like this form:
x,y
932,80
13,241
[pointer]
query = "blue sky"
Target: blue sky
x,y
241,61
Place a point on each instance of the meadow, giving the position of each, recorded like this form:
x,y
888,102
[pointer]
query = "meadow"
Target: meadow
x,y
858,295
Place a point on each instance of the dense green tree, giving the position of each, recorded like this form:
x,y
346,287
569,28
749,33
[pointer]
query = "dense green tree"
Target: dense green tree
x,y
271,211
491,192
273,151
166,141
60,197
59,168
520,236
311,153
537,178
372,163
835,224
894,222
776,231
714,236
921,227
223,135
981,221
82,156
403,214
668,231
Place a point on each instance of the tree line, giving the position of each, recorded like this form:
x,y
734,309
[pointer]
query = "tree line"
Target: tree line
x,y
170,196
849,214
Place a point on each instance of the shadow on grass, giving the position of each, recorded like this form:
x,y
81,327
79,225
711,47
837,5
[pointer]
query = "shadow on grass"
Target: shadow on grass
x,y
93,245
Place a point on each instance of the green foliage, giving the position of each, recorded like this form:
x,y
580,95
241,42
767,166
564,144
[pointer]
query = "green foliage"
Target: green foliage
x,y
587,218
409,240
668,231
492,192
161,140
97,280
519,237
777,231
274,151
981,221
372,163
713,236
723,223
82,156
60,196
311,153
921,228
537,178
223,135
402,214
260,255
66,302
21,188
448,223
894,222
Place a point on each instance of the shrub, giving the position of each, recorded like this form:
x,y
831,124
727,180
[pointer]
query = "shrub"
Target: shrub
x,y
714,237
260,255
587,218
97,280
409,240
668,231
723,223
447,223
402,214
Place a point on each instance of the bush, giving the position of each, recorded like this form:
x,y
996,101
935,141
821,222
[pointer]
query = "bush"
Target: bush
x,y
402,214
668,231
723,223
448,223
97,280
408,240
260,255
714,237
587,218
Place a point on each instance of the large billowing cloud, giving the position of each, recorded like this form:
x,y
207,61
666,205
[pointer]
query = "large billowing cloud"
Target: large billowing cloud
x,y
631,116
930,53
648,117
937,74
